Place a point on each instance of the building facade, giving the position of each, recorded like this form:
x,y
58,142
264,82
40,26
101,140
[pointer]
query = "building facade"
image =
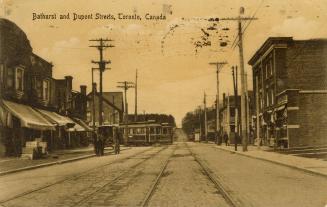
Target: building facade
x,y
230,118
113,108
30,106
290,90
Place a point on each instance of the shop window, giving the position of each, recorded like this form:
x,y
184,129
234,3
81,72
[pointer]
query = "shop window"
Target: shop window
x,y
46,90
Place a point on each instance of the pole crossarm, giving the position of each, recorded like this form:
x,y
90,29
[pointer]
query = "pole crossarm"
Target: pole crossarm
x,y
102,44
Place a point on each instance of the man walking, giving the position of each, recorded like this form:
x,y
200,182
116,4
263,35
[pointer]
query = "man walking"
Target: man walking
x,y
95,143
226,138
117,141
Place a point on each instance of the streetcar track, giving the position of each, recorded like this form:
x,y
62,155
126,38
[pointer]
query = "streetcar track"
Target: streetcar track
x,y
73,176
121,175
153,188
215,180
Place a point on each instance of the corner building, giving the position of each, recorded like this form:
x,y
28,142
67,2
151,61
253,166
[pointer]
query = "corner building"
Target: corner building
x,y
290,90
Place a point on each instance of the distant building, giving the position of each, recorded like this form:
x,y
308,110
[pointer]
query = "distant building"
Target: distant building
x,y
113,108
290,89
229,117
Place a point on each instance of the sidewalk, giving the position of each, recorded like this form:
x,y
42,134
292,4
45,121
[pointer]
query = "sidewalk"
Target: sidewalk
x,y
310,165
10,165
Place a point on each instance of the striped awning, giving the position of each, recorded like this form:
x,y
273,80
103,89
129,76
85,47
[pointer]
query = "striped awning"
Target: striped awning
x,y
56,118
28,117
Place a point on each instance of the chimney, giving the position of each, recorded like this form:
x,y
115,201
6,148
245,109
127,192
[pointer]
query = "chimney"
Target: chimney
x,y
69,82
83,90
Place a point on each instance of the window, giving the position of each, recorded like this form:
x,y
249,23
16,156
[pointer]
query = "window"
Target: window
x,y
46,90
10,78
138,130
1,74
88,116
19,79
232,112
38,87
267,98
272,97
266,70
270,66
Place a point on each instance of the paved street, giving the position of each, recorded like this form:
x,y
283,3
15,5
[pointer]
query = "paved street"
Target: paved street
x,y
182,174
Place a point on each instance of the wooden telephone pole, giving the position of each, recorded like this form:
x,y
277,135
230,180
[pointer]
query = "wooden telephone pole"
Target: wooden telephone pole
x,y
102,67
135,115
126,85
219,66
205,117
244,120
235,105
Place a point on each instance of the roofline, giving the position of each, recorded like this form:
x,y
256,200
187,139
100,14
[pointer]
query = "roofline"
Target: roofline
x,y
270,41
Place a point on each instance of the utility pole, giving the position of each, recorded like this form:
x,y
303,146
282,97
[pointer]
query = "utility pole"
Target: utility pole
x,y
126,85
200,125
205,117
102,67
135,116
219,66
239,19
235,104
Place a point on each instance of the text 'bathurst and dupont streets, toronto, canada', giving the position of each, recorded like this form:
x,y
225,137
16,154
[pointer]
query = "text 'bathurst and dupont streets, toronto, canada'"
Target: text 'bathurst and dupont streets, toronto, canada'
x,y
97,16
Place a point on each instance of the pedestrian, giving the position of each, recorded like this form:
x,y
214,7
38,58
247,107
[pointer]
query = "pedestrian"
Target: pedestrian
x,y
95,142
101,141
226,138
117,141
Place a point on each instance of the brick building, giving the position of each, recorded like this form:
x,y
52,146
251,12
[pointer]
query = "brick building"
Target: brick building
x,y
290,87
30,106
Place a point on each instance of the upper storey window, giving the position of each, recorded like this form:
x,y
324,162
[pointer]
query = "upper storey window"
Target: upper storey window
x,y
19,79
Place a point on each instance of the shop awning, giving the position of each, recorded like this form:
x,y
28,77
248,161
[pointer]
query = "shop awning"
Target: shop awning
x,y
56,118
76,128
29,117
83,124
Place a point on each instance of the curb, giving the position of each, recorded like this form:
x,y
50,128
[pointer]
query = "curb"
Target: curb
x,y
276,162
52,163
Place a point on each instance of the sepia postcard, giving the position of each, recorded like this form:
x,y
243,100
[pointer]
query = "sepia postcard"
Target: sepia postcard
x,y
163,103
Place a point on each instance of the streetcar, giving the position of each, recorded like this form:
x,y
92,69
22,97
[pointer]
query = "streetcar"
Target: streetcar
x,y
147,133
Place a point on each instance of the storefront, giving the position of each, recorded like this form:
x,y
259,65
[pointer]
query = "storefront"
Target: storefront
x,y
69,133
21,123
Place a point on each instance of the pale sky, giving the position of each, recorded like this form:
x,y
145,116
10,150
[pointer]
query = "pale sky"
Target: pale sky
x,y
172,74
